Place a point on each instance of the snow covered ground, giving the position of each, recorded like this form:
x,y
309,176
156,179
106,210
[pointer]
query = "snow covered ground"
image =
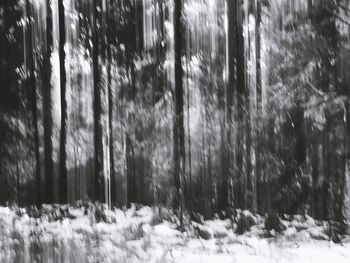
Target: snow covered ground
x,y
138,235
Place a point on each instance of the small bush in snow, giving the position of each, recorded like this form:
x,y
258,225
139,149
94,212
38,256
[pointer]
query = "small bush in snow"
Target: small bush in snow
x,y
244,223
100,215
335,231
196,217
204,232
273,222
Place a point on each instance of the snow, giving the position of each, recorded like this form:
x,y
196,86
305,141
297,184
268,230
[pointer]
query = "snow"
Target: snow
x,y
132,236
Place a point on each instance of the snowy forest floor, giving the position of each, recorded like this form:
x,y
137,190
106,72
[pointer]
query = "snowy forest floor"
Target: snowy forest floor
x,y
144,234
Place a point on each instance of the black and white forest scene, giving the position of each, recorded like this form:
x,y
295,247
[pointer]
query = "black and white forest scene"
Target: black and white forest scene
x,y
175,131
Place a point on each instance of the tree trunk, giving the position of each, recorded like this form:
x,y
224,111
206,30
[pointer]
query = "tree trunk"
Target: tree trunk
x,y
258,102
258,58
110,108
179,143
325,155
32,84
347,161
130,163
98,150
316,194
188,59
241,107
309,9
248,180
47,108
63,136
226,192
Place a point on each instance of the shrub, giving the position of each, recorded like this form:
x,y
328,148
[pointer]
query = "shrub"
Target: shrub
x,y
335,231
244,223
204,232
273,222
196,217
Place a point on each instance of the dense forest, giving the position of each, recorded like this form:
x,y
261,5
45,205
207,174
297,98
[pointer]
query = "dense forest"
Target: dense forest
x,y
200,105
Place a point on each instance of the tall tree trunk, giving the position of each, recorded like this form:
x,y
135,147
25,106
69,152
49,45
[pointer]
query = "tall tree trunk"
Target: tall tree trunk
x,y
258,57
315,178
326,179
34,108
130,153
110,107
2,177
17,160
63,197
188,59
241,109
47,107
98,150
130,163
248,180
258,103
226,199
347,160
130,66
179,142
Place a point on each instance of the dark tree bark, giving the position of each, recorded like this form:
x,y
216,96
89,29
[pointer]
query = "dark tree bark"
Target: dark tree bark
x,y
63,197
226,198
300,144
10,61
316,193
110,107
17,160
130,162
324,22
258,102
179,134
258,58
132,40
309,9
188,127
347,141
248,181
47,107
98,149
326,169
241,107
34,108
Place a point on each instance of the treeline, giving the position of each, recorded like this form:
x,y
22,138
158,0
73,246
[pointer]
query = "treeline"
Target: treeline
x,y
201,105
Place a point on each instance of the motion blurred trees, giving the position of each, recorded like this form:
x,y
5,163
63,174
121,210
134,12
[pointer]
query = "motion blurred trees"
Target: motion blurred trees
x,y
202,105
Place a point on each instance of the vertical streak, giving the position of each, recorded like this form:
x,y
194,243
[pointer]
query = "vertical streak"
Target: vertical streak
x,y
63,133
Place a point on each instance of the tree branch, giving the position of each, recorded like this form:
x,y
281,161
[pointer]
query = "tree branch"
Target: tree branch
x,y
321,93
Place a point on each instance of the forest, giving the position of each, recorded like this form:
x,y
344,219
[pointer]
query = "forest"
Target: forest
x,y
202,106
174,119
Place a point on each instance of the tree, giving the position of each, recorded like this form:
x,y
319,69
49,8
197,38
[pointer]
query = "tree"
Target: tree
x,y
258,97
98,146
47,107
179,133
110,103
32,84
10,99
324,17
347,159
241,107
63,198
226,198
